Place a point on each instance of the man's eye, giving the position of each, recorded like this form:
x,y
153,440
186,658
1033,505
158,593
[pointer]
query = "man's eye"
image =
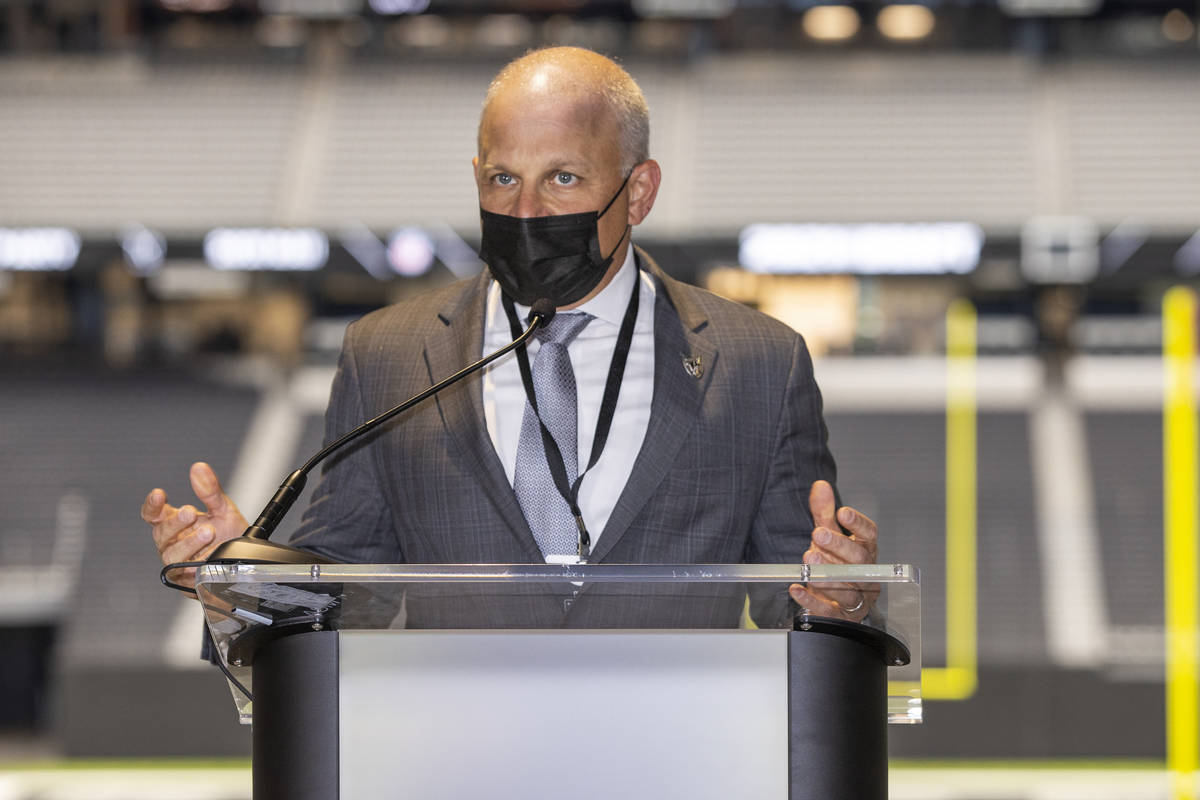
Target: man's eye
x,y
503,179
564,178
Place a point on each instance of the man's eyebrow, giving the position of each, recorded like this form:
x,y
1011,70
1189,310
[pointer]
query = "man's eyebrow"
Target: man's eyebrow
x,y
569,165
563,165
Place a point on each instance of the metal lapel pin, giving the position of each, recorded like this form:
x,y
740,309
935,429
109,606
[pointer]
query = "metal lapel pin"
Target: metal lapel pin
x,y
692,366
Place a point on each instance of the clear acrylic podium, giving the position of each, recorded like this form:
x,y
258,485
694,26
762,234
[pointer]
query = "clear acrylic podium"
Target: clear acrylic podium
x,y
531,681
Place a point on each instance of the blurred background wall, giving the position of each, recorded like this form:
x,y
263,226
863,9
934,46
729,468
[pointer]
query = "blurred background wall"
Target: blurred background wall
x,y
196,196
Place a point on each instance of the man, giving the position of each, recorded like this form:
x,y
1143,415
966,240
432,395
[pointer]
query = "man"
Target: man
x,y
715,449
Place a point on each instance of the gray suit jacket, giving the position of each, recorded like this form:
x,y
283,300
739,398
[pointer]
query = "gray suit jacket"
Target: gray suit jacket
x,y
723,475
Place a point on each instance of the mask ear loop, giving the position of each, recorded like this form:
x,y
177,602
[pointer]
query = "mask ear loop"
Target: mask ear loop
x,y
617,246
604,211
624,183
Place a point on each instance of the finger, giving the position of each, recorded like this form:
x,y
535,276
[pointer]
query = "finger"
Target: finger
x,y
843,593
211,532
154,506
188,546
831,603
823,505
841,549
171,525
208,551
815,555
187,576
861,527
208,488
815,602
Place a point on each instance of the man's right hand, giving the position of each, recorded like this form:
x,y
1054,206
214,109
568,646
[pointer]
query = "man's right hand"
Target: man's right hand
x,y
186,533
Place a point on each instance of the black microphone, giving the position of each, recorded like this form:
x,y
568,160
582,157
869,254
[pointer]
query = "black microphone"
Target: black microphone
x,y
254,545
542,310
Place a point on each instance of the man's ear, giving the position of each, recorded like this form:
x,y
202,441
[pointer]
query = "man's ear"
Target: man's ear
x,y
643,188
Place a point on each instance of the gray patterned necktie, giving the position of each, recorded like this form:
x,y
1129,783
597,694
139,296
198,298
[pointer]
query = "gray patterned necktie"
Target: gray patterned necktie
x,y
547,512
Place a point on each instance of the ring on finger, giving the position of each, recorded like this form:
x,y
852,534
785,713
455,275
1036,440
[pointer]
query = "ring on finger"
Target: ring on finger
x,y
862,599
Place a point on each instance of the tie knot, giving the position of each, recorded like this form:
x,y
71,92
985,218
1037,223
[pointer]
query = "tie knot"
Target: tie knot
x,y
563,327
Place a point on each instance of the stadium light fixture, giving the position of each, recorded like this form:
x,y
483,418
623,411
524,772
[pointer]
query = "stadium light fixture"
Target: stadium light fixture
x,y
281,249
1060,249
1177,26
831,23
906,22
38,249
937,248
410,252
144,249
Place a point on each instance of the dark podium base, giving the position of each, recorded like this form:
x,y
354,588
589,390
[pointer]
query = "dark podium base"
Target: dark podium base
x,y
837,698
295,737
838,710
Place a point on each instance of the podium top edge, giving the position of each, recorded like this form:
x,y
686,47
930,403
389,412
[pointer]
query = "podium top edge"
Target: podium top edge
x,y
524,573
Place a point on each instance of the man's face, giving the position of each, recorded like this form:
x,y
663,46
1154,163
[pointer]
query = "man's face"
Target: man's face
x,y
542,155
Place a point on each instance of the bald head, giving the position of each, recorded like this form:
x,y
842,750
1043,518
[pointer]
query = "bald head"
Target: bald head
x,y
596,86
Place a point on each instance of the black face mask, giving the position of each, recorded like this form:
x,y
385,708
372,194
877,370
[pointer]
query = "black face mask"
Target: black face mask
x,y
555,257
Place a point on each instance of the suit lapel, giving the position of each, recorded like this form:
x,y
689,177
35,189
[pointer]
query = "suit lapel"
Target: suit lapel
x,y
448,348
678,394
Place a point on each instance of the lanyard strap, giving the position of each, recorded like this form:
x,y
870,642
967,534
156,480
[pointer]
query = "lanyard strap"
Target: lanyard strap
x,y
608,407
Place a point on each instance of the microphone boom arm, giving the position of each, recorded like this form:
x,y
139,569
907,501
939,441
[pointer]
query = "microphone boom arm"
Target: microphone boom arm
x,y
253,544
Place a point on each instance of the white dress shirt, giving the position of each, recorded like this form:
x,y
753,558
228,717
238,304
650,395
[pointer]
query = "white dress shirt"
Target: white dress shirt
x,y
591,353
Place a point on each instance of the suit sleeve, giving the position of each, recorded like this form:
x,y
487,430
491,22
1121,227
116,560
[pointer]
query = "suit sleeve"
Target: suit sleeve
x,y
348,519
782,528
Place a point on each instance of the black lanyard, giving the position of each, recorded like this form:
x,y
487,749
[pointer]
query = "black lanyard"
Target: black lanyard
x,y
608,407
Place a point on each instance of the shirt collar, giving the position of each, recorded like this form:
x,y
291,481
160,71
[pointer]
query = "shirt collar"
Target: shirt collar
x,y
609,306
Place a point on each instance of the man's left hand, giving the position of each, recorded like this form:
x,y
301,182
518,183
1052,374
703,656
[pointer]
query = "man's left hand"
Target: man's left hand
x,y
841,536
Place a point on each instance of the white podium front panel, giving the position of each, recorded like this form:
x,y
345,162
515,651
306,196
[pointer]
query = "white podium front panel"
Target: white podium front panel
x,y
582,714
